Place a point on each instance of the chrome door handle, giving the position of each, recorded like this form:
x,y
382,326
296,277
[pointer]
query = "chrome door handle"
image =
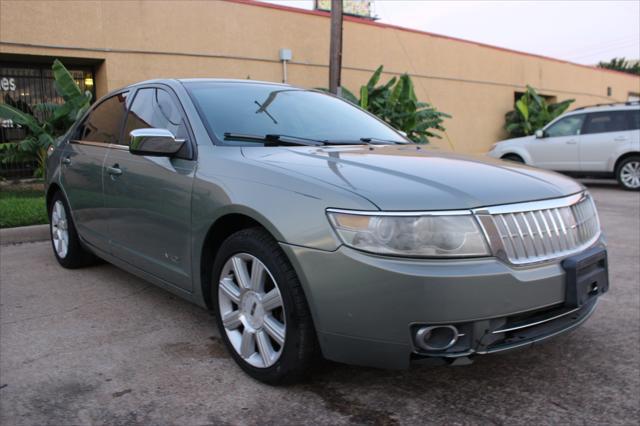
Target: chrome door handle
x,y
571,142
114,170
66,161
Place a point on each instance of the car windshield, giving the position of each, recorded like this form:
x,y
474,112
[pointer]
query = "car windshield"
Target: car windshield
x,y
263,109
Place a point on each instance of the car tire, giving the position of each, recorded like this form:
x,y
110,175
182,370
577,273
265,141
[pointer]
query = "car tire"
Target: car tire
x,y
64,238
275,344
628,173
513,157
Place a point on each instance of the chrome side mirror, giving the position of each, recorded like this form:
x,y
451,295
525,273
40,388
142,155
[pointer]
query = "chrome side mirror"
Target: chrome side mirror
x,y
539,133
154,142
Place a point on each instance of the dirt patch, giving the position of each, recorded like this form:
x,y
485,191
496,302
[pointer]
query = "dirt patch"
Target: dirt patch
x,y
119,394
357,412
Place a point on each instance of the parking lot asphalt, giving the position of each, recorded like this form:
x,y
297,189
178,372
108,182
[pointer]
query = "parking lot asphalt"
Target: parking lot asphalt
x,y
100,346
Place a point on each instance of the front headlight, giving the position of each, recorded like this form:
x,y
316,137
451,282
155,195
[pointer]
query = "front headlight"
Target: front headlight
x,y
423,235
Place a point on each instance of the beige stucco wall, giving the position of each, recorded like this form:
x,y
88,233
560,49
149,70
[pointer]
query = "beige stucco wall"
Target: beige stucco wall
x,y
141,40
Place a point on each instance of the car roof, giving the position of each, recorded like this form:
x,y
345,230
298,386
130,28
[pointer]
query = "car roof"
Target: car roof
x,y
174,81
620,106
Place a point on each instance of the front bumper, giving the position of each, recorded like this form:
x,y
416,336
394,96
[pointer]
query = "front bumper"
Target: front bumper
x,y
366,307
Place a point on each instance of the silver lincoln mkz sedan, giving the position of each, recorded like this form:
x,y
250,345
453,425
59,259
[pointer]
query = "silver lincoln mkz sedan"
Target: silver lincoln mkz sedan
x,y
309,226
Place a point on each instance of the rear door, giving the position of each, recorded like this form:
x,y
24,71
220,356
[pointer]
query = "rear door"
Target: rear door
x,y
602,134
558,149
149,198
82,168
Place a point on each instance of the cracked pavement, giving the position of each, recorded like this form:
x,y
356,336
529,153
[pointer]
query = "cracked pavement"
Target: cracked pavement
x,y
100,346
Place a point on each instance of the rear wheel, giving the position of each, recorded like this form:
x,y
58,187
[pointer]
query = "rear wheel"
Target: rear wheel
x,y
64,237
628,173
513,157
261,310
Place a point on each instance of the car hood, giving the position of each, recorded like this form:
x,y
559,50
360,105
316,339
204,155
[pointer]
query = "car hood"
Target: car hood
x,y
517,140
414,178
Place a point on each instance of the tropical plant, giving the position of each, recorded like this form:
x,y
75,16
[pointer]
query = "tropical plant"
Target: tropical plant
x,y
45,121
532,112
621,64
396,103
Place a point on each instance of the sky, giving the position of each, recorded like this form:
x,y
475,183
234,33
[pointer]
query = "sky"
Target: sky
x,y
585,32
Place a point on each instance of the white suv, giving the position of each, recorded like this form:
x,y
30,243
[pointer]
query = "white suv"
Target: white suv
x,y
598,141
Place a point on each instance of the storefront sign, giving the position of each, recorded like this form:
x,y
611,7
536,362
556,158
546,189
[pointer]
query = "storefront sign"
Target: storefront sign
x,y
361,8
7,84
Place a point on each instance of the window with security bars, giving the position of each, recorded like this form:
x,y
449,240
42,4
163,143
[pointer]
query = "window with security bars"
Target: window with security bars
x,y
24,87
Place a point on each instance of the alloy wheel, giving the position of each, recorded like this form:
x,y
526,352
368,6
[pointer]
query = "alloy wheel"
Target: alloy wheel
x,y
59,229
251,310
630,174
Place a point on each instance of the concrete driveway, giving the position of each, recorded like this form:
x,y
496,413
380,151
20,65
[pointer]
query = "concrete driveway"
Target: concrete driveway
x,y
99,346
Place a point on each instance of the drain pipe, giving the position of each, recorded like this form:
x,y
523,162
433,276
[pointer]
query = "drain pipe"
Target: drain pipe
x,y
285,56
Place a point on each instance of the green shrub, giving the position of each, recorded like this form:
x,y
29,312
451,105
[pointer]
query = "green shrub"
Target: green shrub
x,y
41,133
532,112
396,103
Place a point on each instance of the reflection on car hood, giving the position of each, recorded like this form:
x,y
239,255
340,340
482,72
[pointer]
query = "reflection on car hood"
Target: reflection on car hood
x,y
411,178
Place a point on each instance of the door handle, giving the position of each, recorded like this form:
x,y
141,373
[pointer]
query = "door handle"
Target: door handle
x,y
620,139
114,170
571,142
66,161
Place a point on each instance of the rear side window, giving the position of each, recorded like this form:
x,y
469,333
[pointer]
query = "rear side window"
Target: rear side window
x,y
634,119
602,122
104,123
155,108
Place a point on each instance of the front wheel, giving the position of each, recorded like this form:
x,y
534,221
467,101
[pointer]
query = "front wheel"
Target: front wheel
x,y
64,236
261,310
628,173
513,157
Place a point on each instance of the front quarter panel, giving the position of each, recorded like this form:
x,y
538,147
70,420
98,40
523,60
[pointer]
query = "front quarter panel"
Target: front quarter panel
x,y
517,147
291,208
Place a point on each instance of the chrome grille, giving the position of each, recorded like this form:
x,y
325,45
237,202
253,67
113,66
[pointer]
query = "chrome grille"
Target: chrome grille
x,y
539,231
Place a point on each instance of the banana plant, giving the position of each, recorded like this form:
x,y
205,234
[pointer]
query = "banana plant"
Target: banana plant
x,y
396,103
532,112
41,133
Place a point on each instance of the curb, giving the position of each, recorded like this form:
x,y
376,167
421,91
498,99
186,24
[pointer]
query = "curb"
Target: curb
x,y
24,234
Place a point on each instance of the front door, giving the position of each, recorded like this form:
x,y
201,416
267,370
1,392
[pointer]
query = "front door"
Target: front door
x,y
82,168
149,198
558,149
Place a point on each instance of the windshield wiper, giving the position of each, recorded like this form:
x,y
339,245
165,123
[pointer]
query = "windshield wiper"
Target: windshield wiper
x,y
273,140
367,141
377,141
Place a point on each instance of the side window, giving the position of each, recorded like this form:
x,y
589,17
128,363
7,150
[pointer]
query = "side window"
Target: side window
x,y
633,117
155,108
568,126
602,122
104,122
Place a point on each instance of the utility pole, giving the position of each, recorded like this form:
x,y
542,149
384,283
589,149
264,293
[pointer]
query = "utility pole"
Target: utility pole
x,y
335,53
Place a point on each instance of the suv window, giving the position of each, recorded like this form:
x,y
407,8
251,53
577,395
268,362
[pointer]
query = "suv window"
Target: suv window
x,y
154,108
634,119
568,126
104,123
602,122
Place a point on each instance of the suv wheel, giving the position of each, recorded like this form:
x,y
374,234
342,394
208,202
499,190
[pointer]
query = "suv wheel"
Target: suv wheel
x,y
261,310
628,173
64,237
513,157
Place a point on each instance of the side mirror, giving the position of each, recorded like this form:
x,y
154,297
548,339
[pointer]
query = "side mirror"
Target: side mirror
x,y
402,133
539,133
154,142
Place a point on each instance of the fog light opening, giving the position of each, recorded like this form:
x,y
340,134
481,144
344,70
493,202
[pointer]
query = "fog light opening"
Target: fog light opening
x,y
437,337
